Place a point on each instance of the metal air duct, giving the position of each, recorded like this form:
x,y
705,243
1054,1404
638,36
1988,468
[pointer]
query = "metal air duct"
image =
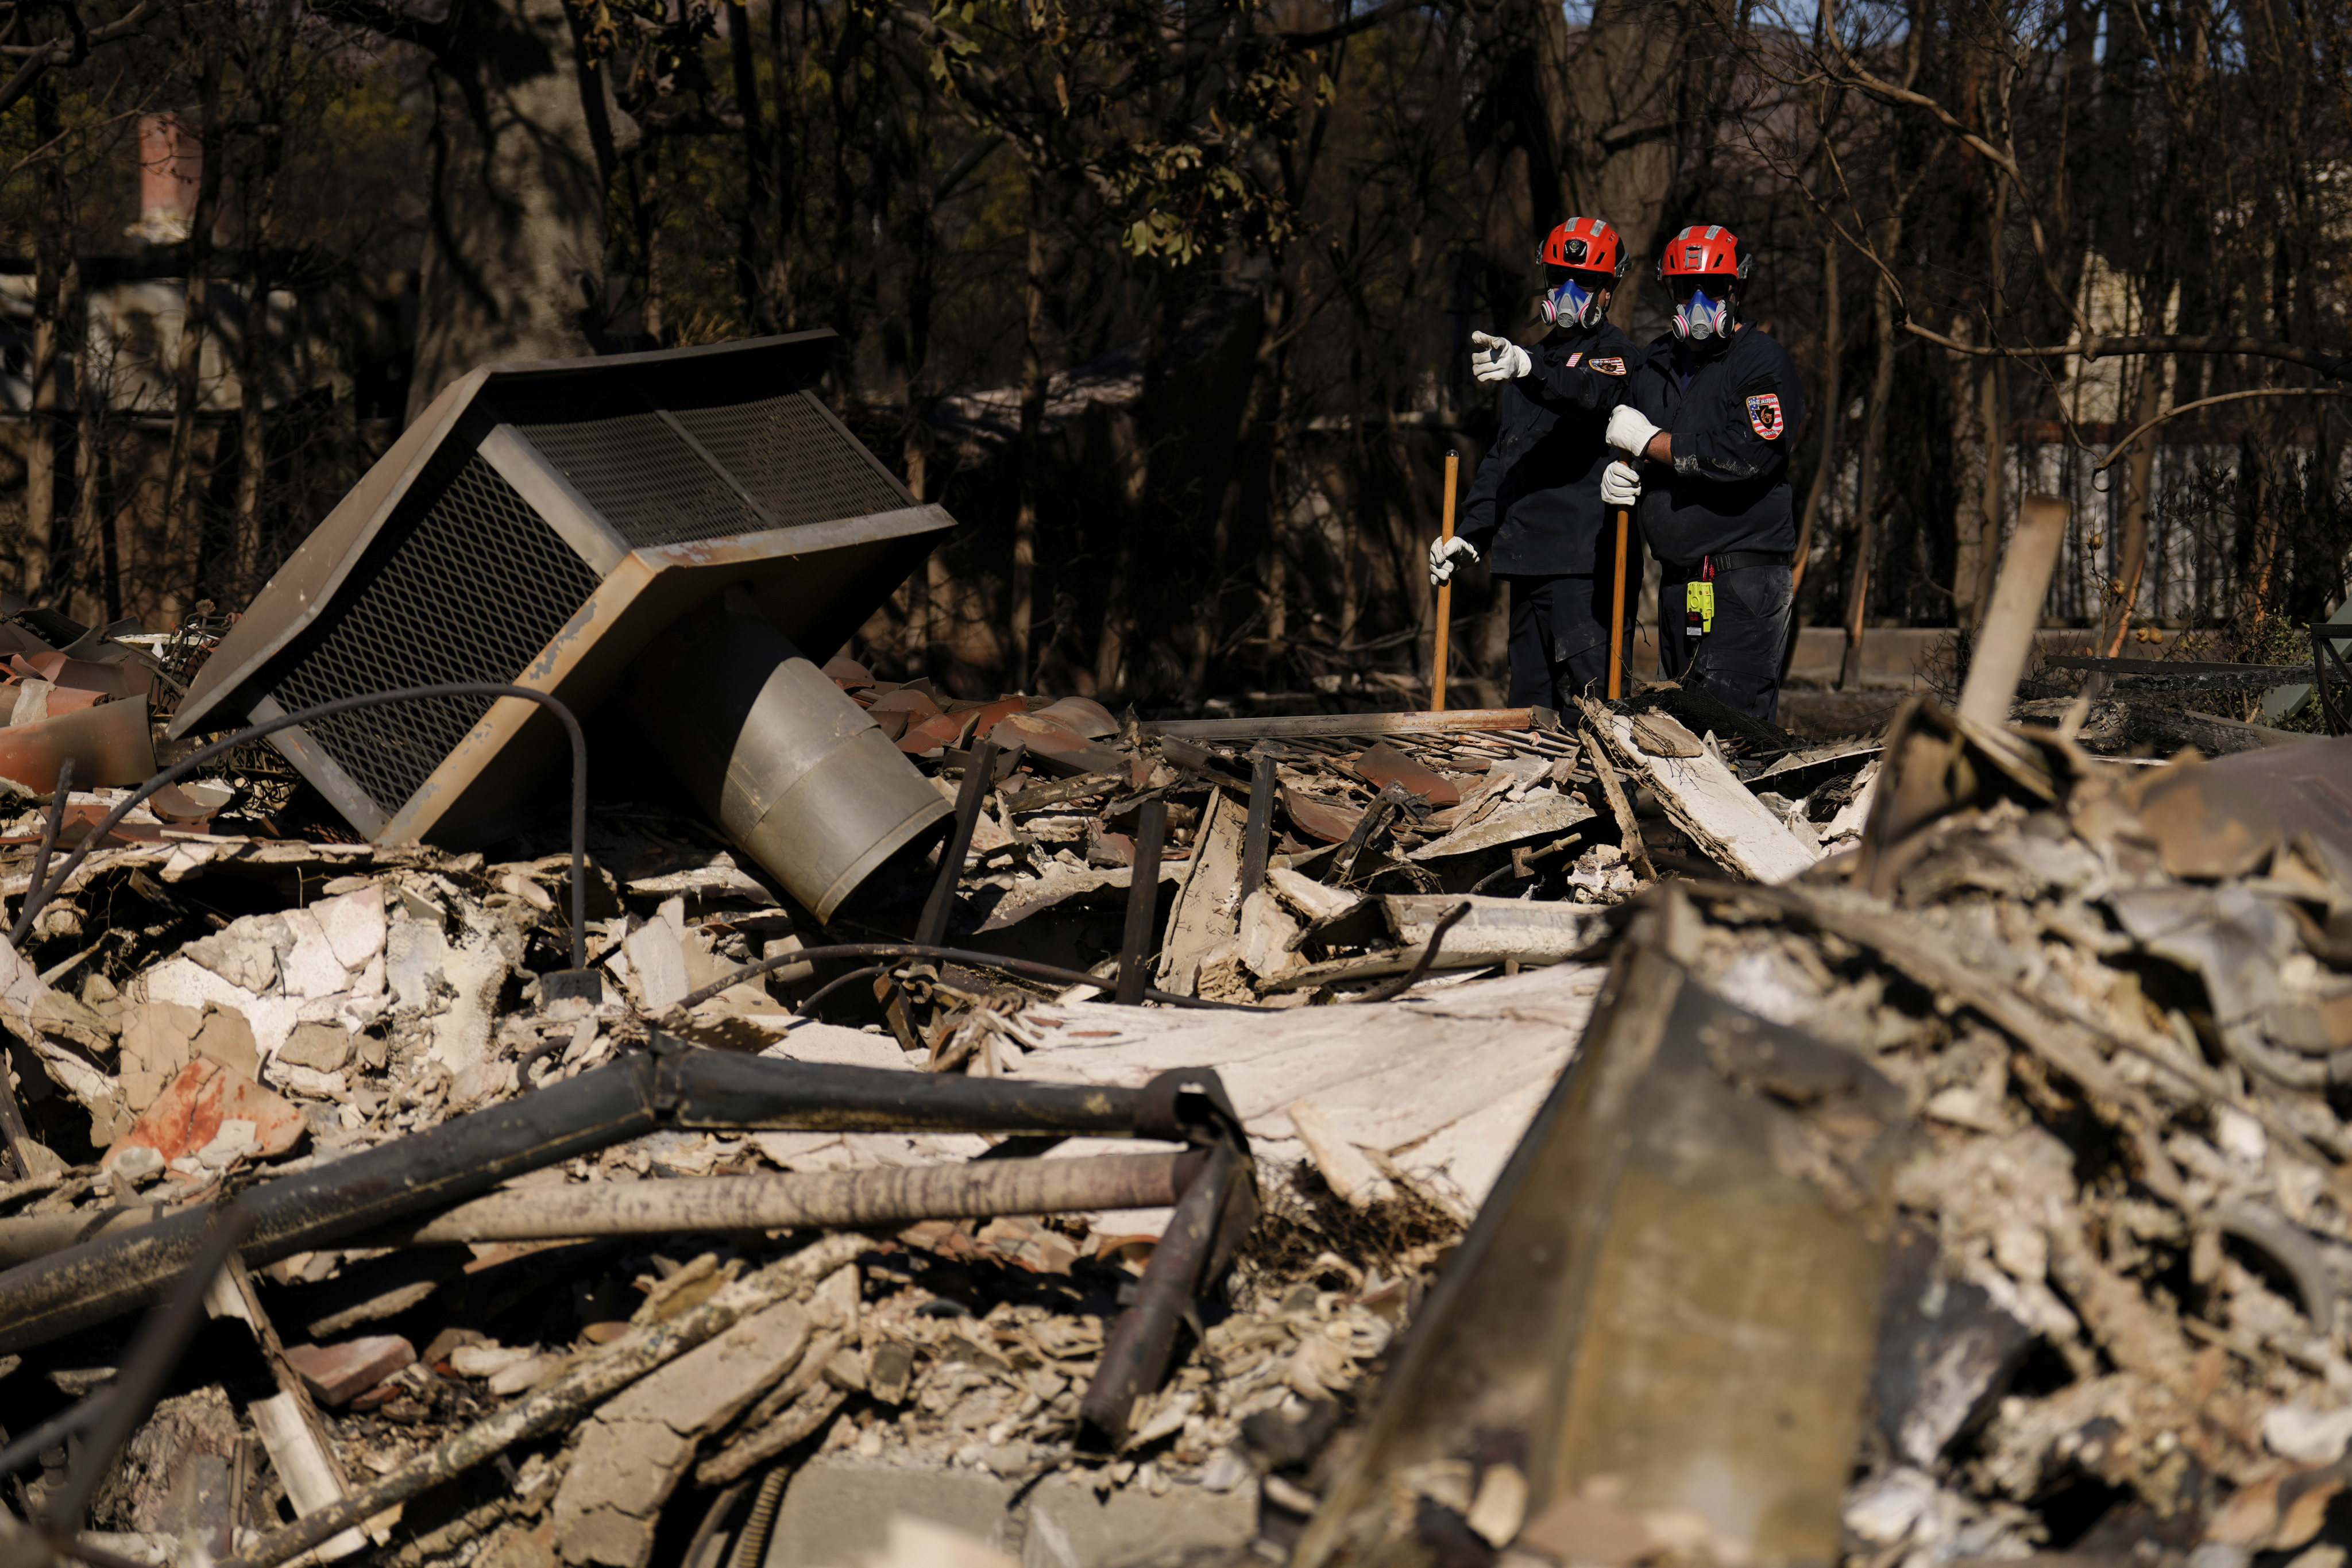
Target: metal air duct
x,y
558,525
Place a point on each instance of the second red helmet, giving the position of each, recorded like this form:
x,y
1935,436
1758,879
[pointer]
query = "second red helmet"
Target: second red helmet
x,y
1587,244
1705,250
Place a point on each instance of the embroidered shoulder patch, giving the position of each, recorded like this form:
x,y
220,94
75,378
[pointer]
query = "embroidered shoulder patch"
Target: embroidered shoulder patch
x,y
1764,414
1613,366
1571,363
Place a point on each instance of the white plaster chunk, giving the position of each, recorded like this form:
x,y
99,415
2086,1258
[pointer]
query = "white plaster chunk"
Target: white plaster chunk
x,y
309,967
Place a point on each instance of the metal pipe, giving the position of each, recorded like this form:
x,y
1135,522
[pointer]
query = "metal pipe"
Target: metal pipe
x,y
932,929
802,1200
798,1200
797,775
1461,721
1136,947
670,1085
1141,1343
889,1196
1412,977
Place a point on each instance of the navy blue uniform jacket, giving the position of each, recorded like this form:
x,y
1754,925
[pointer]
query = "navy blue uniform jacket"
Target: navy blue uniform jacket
x,y
1728,486
1535,508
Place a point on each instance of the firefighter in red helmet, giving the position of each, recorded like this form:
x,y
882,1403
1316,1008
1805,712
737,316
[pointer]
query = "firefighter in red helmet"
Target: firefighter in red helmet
x,y
1535,512
1713,406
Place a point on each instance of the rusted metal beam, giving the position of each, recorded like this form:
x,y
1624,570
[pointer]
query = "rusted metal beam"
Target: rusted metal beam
x,y
1135,949
1218,1206
1311,725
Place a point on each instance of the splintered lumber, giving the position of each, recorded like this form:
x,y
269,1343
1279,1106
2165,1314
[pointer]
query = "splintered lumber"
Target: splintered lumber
x,y
1528,930
1208,907
1629,829
1720,814
2006,641
1309,726
1494,932
1537,816
1345,1167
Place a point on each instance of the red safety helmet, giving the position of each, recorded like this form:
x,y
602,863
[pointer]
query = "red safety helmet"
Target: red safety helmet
x,y
1585,244
1709,270
1581,258
1712,251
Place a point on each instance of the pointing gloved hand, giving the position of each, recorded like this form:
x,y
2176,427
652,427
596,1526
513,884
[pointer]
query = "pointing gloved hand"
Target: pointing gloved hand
x,y
1497,359
1629,432
1620,483
1443,552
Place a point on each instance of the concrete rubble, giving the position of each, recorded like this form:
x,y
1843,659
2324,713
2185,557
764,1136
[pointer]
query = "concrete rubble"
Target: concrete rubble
x,y
2114,1001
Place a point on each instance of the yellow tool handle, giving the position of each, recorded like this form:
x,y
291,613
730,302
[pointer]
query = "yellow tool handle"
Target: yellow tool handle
x,y
1444,593
1617,609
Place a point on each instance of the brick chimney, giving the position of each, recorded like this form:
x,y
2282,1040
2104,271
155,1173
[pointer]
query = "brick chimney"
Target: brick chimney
x,y
170,158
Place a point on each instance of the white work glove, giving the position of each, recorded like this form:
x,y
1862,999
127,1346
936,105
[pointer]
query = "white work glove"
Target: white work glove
x,y
1442,554
1620,483
1497,359
1629,432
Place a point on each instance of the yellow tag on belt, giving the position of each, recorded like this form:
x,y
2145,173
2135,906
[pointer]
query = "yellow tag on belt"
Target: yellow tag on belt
x,y
1700,602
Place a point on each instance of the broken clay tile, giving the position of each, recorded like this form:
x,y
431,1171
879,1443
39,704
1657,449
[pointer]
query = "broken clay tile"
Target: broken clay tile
x,y
1081,716
906,700
101,680
892,721
338,1372
1384,765
71,700
847,673
187,1116
1060,749
1320,819
995,712
931,734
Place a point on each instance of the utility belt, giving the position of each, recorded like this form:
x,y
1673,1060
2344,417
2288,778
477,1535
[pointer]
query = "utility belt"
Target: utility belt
x,y
1698,581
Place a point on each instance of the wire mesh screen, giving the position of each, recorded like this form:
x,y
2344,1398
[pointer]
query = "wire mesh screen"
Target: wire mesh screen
x,y
472,587
650,483
789,453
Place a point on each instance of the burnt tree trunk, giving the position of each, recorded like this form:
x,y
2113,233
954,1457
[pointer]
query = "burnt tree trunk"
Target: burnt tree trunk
x,y
526,136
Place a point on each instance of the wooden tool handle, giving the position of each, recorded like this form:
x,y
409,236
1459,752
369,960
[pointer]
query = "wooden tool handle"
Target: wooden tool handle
x,y
1617,609
1445,595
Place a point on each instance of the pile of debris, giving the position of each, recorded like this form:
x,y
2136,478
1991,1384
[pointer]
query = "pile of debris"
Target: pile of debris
x,y
2056,1055
1720,1149
204,1011
1314,857
89,696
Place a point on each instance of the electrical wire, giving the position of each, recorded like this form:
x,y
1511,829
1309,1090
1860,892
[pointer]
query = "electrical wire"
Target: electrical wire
x,y
40,893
